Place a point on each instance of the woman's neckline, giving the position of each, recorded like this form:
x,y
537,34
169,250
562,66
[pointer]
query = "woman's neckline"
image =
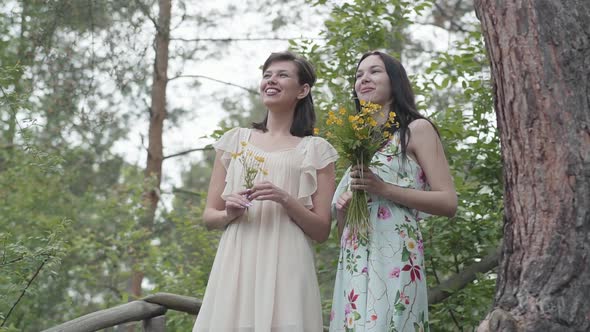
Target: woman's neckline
x,y
248,139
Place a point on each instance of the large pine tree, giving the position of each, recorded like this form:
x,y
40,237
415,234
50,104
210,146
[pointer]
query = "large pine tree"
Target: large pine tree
x,y
540,57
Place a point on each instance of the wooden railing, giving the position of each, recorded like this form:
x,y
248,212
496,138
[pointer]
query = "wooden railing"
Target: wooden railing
x,y
149,310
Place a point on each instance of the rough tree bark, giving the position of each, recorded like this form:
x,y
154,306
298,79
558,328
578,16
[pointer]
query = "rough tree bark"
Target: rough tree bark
x,y
153,170
540,56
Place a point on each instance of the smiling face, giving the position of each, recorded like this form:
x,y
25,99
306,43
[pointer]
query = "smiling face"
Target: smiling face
x,y
372,82
280,85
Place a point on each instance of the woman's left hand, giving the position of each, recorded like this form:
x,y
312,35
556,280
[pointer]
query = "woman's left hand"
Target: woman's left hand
x,y
266,191
369,182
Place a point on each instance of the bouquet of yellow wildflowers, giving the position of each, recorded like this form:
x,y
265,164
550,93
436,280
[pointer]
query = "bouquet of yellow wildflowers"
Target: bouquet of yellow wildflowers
x,y
357,137
252,164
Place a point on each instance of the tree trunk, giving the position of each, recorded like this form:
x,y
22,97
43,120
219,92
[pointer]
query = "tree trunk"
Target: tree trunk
x,y
540,59
24,57
153,170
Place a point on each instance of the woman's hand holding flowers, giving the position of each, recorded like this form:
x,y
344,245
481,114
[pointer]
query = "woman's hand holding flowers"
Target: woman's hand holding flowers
x,y
365,179
266,191
343,201
236,204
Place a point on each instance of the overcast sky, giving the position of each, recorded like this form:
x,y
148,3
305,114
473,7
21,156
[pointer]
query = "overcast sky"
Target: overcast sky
x,y
238,64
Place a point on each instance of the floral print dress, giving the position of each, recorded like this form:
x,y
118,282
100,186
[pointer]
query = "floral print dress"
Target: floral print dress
x,y
380,282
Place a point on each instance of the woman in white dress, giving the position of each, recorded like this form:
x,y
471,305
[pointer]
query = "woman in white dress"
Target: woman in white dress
x,y
264,278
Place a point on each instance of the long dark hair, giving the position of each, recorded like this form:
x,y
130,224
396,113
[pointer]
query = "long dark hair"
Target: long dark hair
x,y
304,116
403,104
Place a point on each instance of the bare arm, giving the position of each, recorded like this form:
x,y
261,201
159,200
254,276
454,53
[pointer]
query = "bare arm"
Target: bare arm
x,y
426,147
314,222
219,213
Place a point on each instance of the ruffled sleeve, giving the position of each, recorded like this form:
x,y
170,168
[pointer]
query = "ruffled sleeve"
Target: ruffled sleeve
x,y
318,154
228,143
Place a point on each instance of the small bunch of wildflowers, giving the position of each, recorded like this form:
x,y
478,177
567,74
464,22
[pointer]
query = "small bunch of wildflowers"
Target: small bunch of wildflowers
x,y
357,136
252,164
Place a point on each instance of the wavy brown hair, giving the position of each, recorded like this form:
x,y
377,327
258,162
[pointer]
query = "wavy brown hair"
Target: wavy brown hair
x,y
304,117
404,104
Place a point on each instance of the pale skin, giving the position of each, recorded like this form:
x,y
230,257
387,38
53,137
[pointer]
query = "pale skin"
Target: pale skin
x,y
424,147
280,91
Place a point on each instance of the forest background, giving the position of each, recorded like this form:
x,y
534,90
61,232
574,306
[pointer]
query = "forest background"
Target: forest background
x,y
104,160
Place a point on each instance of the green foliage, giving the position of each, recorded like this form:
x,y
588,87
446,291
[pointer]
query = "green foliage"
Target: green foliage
x,y
71,205
182,260
87,73
32,230
472,145
25,252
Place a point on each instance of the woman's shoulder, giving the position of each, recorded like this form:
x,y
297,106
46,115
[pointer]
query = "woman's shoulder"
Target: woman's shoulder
x,y
228,132
318,151
230,138
320,143
423,135
317,140
421,130
235,132
421,125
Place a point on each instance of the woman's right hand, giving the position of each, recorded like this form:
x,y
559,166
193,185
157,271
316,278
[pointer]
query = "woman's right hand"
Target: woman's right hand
x,y
236,204
343,201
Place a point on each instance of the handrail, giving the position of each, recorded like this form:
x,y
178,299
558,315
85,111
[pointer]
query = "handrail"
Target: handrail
x,y
143,309
157,304
181,303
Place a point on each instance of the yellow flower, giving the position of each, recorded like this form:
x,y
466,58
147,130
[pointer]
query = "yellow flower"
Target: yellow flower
x,y
357,136
316,131
360,136
252,165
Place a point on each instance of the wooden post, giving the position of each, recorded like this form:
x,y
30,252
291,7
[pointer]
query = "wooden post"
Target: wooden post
x,y
155,324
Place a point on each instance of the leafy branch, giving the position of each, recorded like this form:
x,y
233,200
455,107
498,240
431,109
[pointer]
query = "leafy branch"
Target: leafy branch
x,y
182,153
464,277
252,91
24,291
229,39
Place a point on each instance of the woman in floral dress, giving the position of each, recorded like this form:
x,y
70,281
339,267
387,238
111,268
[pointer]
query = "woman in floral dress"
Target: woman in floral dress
x,y
380,283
